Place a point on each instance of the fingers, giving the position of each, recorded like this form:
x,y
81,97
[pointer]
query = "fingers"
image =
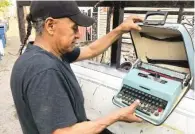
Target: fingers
x,y
134,105
136,27
136,119
136,18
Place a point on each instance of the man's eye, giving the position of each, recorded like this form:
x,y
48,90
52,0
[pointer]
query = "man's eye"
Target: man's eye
x,y
75,29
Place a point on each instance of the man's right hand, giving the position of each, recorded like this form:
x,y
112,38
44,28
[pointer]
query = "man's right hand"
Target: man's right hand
x,y
127,114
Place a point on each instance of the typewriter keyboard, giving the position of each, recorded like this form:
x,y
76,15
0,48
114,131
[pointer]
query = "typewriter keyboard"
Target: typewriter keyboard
x,y
150,105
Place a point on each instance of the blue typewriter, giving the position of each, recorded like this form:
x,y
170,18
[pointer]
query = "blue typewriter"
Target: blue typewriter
x,y
163,72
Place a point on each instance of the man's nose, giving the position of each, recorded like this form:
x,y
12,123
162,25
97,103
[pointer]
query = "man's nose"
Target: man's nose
x,y
77,35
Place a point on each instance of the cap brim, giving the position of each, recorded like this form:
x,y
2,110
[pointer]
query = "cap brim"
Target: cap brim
x,y
82,20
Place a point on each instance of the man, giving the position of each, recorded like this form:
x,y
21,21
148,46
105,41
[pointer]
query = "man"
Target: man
x,y
47,96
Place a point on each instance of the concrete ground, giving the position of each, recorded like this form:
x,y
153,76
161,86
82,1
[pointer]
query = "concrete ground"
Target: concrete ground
x,y
9,123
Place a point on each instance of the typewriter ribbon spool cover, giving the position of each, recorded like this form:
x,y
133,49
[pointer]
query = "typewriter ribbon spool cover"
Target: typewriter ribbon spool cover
x,y
162,74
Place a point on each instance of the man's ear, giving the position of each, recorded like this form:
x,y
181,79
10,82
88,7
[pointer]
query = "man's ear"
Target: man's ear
x,y
50,25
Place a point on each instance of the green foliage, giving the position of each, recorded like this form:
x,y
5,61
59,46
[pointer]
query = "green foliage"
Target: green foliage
x,y
4,4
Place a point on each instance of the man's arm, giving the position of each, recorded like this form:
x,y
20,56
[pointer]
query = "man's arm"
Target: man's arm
x,y
100,45
95,127
89,127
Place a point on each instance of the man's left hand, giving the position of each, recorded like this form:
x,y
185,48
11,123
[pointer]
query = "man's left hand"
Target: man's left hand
x,y
130,24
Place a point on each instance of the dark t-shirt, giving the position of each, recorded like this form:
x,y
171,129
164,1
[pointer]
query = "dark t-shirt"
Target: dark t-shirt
x,y
46,93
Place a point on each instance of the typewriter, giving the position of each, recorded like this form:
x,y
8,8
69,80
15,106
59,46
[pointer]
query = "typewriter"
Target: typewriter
x,y
162,74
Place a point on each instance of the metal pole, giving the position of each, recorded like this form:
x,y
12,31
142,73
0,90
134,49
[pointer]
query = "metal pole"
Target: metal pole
x,y
118,16
180,14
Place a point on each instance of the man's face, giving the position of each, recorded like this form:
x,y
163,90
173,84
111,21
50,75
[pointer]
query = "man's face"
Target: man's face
x,y
65,33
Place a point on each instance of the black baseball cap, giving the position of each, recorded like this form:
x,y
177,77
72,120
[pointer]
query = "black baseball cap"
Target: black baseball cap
x,y
59,9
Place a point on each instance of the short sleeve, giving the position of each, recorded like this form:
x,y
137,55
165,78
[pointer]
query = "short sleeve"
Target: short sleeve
x,y
49,102
72,56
